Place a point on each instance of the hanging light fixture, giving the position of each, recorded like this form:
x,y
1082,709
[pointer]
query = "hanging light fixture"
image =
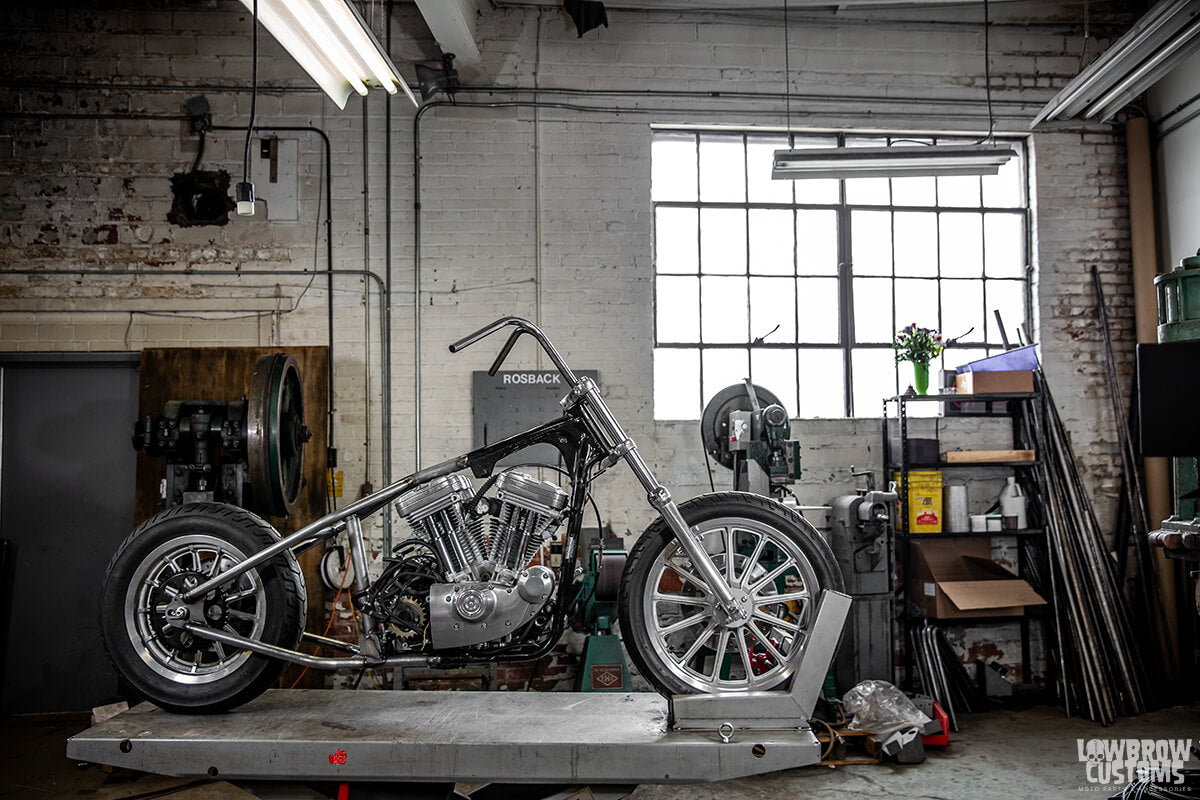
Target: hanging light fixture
x,y
333,44
889,162
936,160
1165,36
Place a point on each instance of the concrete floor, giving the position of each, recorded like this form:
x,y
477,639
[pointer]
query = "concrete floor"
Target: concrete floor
x,y
1001,754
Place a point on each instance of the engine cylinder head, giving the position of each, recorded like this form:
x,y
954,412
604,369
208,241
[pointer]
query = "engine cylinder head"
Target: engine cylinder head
x,y
529,511
437,512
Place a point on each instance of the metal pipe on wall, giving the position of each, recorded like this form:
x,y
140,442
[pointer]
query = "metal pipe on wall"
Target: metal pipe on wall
x,y
1142,236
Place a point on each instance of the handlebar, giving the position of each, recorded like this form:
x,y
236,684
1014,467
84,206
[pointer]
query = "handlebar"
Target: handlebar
x,y
522,326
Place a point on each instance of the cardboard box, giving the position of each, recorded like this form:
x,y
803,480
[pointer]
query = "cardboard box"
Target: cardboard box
x,y
993,382
924,500
956,578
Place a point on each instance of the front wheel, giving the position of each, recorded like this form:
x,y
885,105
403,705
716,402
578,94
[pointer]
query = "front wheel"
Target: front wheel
x,y
142,612
673,626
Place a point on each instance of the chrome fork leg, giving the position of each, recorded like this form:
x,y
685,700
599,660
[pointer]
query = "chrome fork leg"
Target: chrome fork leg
x,y
362,575
585,392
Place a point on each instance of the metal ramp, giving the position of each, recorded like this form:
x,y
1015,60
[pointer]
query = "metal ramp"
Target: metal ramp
x,y
516,738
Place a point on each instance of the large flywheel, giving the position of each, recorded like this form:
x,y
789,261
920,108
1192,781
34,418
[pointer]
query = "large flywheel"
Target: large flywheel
x,y
714,422
276,434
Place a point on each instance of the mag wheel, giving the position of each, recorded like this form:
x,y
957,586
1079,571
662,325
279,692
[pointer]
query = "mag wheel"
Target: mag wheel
x,y
675,631
142,611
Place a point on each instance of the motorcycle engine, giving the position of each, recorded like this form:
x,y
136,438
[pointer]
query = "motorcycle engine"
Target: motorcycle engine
x,y
486,591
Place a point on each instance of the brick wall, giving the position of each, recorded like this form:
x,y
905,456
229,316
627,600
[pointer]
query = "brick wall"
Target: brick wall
x,y
543,213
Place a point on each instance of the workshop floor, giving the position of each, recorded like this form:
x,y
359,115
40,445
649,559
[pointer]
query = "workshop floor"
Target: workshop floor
x,y
1002,754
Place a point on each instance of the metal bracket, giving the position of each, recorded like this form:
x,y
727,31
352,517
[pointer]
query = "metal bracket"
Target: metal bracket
x,y
773,710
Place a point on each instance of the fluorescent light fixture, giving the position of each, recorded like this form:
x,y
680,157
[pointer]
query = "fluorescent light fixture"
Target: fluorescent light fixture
x,y
1165,36
889,162
333,44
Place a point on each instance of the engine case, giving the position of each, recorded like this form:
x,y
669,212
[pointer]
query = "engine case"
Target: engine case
x,y
471,612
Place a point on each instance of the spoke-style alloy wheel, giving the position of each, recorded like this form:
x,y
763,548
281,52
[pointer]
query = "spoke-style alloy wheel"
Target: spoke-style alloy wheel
x,y
145,618
155,614
677,632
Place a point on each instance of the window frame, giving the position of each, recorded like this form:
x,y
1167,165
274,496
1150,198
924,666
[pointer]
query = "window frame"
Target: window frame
x,y
844,212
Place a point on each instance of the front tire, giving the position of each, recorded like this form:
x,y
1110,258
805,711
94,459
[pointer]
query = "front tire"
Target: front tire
x,y
672,625
167,555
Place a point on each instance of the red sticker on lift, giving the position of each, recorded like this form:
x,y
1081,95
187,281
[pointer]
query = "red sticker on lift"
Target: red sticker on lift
x,y
338,758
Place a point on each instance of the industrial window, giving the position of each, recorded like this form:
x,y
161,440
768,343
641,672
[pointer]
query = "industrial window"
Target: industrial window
x,y
801,285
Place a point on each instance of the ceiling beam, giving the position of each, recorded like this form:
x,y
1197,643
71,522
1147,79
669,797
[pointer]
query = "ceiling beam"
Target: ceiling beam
x,y
452,23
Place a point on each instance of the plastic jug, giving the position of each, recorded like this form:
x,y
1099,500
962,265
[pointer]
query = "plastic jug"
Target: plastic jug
x,y
1012,502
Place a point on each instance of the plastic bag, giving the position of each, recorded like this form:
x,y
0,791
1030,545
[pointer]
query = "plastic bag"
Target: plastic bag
x,y
879,707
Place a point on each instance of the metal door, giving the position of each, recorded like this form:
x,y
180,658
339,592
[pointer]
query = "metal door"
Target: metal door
x,y
66,502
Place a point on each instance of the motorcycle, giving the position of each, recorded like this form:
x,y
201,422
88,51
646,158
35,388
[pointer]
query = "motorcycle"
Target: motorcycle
x,y
204,604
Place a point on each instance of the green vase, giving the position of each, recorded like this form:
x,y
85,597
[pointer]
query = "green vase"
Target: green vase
x,y
921,377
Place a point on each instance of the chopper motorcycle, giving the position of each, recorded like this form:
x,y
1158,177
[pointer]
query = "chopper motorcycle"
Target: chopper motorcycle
x,y
204,604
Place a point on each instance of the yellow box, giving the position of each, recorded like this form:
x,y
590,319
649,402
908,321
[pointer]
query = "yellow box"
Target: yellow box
x,y
924,500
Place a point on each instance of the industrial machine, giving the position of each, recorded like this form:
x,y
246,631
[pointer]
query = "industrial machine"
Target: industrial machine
x,y
247,452
1167,385
862,543
745,428
602,666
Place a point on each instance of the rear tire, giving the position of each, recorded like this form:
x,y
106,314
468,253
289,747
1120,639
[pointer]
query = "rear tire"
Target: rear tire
x,y
672,626
171,552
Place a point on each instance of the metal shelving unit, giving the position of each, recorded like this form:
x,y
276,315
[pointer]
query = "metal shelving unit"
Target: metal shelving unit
x,y
895,422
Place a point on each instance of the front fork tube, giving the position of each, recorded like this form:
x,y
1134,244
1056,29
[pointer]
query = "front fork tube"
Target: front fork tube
x,y
602,417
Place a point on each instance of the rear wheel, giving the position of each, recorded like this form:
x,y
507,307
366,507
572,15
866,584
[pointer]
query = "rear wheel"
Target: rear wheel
x,y
142,613
777,566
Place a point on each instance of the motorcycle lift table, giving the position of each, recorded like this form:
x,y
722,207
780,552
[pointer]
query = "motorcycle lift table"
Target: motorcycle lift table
x,y
374,737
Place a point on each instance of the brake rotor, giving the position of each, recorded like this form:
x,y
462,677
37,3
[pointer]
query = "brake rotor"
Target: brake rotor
x,y
714,422
276,434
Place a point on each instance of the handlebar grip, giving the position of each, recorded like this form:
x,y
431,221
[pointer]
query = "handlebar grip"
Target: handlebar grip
x,y
504,351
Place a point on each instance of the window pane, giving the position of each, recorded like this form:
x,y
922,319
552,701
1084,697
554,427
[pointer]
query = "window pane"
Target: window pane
x,y
959,190
675,241
961,245
956,357
673,167
962,309
822,384
818,308
817,242
817,190
773,303
723,241
772,249
916,302
677,307
1006,188
723,368
1004,245
775,371
914,191
873,310
874,379
676,384
722,169
916,243
1008,297
871,248
760,155
725,315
